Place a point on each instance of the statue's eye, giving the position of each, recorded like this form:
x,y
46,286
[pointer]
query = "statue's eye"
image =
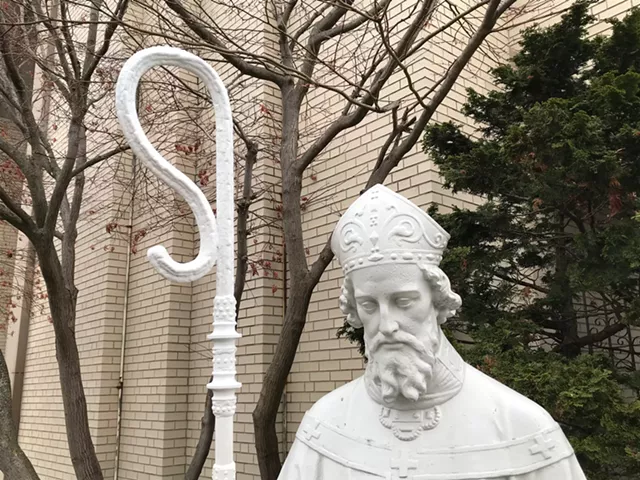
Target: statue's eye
x,y
404,302
369,306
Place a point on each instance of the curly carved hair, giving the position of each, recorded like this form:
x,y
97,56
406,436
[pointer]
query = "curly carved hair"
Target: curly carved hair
x,y
445,300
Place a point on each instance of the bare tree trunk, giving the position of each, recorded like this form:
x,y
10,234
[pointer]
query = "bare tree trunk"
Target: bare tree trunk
x,y
62,303
243,214
265,413
13,462
204,442
569,322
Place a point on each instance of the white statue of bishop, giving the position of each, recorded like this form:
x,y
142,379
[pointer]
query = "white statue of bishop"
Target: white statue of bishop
x,y
419,412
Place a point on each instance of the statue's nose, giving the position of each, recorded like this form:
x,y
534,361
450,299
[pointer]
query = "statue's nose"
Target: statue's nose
x,y
388,326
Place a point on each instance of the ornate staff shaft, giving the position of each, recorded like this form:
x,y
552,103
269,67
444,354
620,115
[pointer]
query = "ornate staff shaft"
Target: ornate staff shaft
x,y
214,245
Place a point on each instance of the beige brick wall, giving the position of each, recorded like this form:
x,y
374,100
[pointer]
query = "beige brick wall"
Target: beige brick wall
x,y
608,9
167,356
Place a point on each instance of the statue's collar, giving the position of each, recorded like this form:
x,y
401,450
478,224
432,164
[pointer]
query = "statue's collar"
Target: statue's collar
x,y
446,382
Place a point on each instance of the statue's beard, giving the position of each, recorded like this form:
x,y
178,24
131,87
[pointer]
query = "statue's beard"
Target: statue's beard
x,y
400,366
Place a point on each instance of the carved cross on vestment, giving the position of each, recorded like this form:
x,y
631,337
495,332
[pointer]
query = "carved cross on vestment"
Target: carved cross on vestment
x,y
314,432
542,446
402,463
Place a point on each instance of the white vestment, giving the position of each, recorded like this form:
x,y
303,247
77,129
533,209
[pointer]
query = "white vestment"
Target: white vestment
x,y
483,431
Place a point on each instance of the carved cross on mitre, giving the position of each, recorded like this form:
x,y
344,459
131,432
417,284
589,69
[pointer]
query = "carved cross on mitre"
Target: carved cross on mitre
x,y
401,464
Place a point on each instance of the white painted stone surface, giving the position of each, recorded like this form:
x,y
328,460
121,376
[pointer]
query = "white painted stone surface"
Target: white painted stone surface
x,y
216,236
419,412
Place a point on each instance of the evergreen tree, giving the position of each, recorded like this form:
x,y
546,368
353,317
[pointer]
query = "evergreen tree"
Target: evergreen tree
x,y
557,157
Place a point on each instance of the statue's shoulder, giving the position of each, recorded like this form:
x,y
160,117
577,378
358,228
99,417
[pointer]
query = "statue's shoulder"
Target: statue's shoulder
x,y
334,405
498,400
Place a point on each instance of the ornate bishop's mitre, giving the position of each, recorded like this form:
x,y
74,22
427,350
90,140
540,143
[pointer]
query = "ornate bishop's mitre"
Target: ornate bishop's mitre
x,y
383,227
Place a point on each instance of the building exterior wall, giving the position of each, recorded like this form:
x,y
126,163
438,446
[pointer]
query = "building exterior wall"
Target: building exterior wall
x,y
167,359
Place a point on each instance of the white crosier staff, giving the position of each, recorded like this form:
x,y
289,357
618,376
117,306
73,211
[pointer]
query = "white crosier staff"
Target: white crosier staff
x,y
214,245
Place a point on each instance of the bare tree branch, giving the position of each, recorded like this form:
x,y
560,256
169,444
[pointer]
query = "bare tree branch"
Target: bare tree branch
x,y
100,158
448,82
13,462
521,282
372,15
93,59
347,121
26,166
203,32
53,31
11,218
41,149
68,41
207,428
315,41
307,24
288,10
62,182
593,338
92,35
26,222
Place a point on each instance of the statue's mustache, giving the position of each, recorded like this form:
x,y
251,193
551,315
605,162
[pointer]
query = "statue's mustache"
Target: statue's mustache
x,y
396,338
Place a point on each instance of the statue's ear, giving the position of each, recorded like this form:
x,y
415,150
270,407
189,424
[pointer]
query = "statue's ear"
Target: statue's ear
x,y
354,321
348,308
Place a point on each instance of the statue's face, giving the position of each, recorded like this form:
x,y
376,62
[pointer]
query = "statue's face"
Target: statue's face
x,y
394,304
393,300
